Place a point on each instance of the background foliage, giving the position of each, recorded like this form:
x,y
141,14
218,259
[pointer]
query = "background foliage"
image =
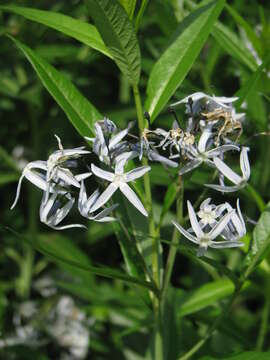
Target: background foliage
x,y
60,51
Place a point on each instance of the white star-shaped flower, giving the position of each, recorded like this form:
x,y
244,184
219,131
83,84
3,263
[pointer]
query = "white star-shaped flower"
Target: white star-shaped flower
x,y
205,240
119,180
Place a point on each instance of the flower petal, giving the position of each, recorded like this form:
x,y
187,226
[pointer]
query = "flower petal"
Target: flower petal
x,y
103,174
133,198
190,166
185,233
137,173
17,192
228,172
104,197
244,163
225,244
219,227
226,189
194,221
67,176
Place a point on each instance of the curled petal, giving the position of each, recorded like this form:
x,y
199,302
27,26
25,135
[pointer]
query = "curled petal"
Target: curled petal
x,y
67,176
226,189
17,192
228,172
244,163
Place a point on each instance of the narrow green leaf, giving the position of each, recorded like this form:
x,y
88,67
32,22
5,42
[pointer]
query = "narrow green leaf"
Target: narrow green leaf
x,y
168,200
234,46
129,6
77,29
208,294
173,66
261,242
251,35
78,109
97,270
140,14
118,34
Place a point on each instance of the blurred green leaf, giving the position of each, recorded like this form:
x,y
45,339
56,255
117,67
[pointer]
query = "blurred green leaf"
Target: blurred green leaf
x,y
206,295
261,242
246,355
6,178
250,85
79,30
171,69
169,198
78,109
118,34
251,35
234,46
97,270
129,6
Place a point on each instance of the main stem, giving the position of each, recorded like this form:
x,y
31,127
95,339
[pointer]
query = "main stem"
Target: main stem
x,y
152,232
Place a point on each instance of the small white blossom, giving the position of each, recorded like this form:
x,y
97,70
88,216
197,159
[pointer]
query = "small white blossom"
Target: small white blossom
x,y
239,181
85,204
52,212
119,180
203,239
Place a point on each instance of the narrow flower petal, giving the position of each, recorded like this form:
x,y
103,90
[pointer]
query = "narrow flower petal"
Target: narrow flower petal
x,y
219,227
17,192
137,173
67,176
185,233
244,163
194,221
225,244
62,212
83,176
133,198
64,227
191,165
102,216
221,149
154,156
117,138
228,172
104,197
226,189
103,174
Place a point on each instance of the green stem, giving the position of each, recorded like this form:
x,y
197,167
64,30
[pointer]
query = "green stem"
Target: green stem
x,y
256,197
158,341
265,317
174,242
140,14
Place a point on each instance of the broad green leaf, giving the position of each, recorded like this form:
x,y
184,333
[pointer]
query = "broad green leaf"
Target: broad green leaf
x,y
246,355
97,270
78,109
208,294
234,46
77,29
129,6
261,241
173,66
118,34
251,35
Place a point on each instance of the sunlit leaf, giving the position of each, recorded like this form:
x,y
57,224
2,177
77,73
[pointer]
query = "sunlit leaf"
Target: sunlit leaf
x,y
129,6
77,29
118,34
173,66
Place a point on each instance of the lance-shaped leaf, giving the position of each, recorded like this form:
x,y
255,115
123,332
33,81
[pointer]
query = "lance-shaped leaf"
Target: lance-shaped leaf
x,y
118,34
78,109
77,29
261,242
173,66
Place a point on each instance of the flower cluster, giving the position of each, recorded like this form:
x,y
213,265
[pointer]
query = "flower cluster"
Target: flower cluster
x,y
212,131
